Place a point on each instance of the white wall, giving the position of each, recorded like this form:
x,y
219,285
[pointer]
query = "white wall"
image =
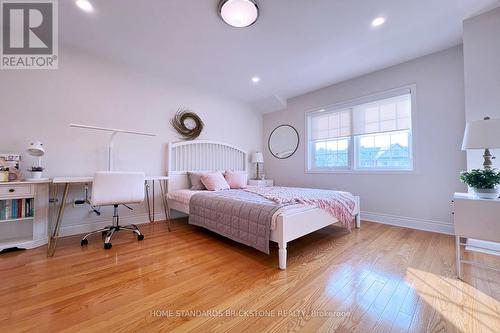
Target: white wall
x,y
482,74
420,200
482,83
40,105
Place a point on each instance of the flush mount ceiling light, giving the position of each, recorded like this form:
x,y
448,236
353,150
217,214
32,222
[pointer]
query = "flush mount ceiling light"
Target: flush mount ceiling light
x,y
84,5
255,79
378,21
239,13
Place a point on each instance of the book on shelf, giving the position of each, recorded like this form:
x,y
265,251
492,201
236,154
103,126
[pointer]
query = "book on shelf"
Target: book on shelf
x,y
3,209
16,208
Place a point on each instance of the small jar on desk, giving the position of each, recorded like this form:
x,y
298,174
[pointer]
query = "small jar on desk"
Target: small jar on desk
x,y
261,182
4,174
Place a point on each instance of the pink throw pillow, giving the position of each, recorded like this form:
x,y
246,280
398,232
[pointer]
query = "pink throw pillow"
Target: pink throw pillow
x,y
236,180
214,181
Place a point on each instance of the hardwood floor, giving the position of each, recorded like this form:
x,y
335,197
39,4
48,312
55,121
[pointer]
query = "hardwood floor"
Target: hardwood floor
x,y
377,279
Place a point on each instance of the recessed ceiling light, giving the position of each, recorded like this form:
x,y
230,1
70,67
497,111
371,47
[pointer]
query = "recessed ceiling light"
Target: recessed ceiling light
x,y
378,21
84,5
239,13
256,79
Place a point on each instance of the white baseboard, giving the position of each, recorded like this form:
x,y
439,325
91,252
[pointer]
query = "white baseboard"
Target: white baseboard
x,y
401,221
487,247
409,222
76,229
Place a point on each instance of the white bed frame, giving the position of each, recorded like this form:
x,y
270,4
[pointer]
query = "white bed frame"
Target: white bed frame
x,y
205,156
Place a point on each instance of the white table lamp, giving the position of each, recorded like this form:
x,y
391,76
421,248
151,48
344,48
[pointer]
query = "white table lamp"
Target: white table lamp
x,y
257,158
483,134
36,149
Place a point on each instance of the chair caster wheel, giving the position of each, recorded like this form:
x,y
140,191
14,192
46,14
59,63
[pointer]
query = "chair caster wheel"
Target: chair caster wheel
x,y
84,242
107,246
140,237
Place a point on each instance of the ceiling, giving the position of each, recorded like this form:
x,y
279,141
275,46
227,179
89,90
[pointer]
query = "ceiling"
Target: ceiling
x,y
296,45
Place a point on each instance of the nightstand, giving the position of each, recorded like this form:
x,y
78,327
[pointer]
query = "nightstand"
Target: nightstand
x,y
261,182
475,219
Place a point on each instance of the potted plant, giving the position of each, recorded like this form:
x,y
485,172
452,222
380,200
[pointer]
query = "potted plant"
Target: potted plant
x,y
36,172
483,181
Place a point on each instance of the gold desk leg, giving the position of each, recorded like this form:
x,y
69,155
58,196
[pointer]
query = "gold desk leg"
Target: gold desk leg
x,y
151,218
51,248
165,202
153,200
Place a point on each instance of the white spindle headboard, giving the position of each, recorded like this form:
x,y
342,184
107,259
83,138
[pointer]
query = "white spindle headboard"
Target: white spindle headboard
x,y
201,156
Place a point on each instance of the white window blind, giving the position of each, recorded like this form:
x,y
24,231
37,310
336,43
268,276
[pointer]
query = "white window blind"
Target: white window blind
x,y
385,115
330,125
370,133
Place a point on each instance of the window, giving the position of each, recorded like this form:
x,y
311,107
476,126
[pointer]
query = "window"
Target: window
x,y
375,135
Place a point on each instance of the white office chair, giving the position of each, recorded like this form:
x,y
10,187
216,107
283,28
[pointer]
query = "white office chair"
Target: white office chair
x,y
113,188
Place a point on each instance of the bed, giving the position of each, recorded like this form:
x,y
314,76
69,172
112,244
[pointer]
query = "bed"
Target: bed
x,y
288,223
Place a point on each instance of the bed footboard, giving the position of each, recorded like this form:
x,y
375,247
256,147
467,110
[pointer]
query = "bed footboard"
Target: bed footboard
x,y
293,226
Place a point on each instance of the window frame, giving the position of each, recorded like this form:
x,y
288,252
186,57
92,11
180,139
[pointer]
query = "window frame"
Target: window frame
x,y
355,148
349,160
352,162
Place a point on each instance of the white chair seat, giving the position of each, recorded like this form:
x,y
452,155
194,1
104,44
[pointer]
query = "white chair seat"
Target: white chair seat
x,y
116,188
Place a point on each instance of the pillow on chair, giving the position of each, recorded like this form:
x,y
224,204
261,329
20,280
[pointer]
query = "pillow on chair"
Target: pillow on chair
x,y
195,180
236,180
214,181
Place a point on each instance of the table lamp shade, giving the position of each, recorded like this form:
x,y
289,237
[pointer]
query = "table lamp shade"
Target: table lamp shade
x,y
36,149
482,134
257,157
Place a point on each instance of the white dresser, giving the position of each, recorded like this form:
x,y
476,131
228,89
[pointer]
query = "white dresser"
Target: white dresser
x,y
24,214
477,219
261,182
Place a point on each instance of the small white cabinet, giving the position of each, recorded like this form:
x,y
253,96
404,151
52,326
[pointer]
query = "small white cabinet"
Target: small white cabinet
x,y
475,219
25,214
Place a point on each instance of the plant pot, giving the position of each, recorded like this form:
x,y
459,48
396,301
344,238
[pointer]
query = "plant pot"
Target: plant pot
x,y
36,174
487,193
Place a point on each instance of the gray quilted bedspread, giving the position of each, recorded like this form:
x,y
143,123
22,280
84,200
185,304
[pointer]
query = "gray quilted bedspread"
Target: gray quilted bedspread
x,y
236,214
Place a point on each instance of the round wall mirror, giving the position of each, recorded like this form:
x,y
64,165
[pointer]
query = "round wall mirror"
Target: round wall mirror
x,y
283,141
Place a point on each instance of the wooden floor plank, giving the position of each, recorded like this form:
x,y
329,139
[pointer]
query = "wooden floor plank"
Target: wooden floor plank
x,y
377,279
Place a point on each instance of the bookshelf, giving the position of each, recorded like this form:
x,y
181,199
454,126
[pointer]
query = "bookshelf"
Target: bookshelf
x,y
24,208
18,219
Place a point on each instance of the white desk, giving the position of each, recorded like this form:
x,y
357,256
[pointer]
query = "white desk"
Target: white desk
x,y
90,179
67,181
475,218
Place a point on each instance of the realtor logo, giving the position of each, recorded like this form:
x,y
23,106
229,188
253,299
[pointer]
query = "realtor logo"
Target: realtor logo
x,y
29,34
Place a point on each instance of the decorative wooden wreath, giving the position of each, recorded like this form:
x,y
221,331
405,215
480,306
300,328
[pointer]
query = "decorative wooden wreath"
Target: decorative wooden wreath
x,y
187,123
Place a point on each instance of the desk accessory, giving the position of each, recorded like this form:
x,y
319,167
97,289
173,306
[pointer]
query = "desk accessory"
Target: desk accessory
x,y
36,149
4,174
9,167
111,143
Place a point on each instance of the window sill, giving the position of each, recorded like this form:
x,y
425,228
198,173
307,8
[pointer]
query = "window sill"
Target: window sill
x,y
363,172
